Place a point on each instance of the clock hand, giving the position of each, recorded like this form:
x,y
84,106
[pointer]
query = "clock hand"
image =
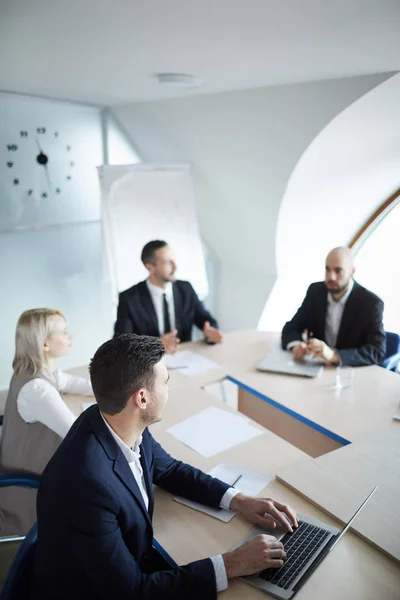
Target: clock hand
x,y
48,179
45,168
38,145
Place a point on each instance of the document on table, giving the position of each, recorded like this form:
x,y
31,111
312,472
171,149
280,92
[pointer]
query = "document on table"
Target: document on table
x,y
214,430
251,483
189,363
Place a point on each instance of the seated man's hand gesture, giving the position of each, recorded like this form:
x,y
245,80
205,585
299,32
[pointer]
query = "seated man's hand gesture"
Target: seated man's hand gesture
x,y
171,342
212,334
319,349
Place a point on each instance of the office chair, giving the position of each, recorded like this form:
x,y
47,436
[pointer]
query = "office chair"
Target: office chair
x,y
18,479
392,357
19,577
22,479
3,398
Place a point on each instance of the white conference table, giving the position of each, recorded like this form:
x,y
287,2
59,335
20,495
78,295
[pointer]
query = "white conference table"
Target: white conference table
x,y
354,570
333,480
309,413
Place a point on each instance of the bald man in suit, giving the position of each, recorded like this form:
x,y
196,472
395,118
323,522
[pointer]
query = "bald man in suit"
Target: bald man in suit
x,y
342,319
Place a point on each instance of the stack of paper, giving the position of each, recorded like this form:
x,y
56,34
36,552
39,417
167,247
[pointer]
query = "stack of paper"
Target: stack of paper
x,y
214,430
251,483
189,363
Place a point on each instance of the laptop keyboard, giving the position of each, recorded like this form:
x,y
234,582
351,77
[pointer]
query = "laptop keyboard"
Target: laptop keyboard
x,y
299,547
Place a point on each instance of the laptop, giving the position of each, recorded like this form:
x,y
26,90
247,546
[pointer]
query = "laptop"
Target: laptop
x,y
305,549
283,362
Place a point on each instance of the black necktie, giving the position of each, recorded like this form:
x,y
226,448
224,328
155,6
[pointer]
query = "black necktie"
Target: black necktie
x,y
167,322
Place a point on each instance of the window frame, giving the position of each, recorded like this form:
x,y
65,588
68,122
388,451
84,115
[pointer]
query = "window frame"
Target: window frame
x,y
373,221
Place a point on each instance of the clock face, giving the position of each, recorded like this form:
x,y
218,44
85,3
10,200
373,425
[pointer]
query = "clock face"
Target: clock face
x,y
51,156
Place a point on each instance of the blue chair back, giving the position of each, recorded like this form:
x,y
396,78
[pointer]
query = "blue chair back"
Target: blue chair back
x,y
392,343
18,583
20,479
392,357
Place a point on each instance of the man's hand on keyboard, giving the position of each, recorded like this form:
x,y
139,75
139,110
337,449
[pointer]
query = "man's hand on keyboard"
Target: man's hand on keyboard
x,y
262,552
259,511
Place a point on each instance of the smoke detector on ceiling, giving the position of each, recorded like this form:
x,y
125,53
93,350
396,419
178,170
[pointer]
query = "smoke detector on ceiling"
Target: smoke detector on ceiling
x,y
179,80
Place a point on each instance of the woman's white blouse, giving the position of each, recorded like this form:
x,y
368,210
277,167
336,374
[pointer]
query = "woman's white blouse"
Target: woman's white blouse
x,y
39,401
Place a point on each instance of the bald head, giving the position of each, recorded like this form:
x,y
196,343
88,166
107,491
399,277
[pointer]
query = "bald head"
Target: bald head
x,y
339,270
341,255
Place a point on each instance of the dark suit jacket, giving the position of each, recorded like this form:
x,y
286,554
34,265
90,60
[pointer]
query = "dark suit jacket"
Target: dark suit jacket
x,y
94,532
361,338
136,313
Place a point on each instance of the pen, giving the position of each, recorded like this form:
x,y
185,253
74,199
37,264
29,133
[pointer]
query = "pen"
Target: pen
x,y
236,480
306,335
175,368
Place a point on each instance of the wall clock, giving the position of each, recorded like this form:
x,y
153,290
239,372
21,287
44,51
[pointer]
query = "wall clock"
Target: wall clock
x,y
48,153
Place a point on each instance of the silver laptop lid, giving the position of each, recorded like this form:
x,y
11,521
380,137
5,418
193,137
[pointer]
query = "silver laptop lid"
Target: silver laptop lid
x,y
283,362
346,527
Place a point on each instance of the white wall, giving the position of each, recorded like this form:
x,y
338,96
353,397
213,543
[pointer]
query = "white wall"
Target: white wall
x,y
243,147
51,246
346,173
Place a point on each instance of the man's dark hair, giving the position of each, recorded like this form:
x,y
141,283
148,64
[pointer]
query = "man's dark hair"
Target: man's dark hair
x,y
121,366
149,250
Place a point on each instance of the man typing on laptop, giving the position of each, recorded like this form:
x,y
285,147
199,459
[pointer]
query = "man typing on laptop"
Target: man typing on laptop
x,y
96,501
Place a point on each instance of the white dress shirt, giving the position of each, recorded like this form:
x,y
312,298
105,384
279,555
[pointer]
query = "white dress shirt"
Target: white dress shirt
x,y
132,455
334,313
157,296
333,318
39,401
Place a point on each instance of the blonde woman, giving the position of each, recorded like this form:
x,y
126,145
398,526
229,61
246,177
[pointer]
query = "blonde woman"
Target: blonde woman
x,y
36,418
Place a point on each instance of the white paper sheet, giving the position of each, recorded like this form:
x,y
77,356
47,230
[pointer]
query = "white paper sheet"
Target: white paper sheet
x,y
214,430
189,363
251,483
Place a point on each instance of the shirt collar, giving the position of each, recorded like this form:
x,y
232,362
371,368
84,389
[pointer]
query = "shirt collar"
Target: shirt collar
x,y
155,290
131,454
344,298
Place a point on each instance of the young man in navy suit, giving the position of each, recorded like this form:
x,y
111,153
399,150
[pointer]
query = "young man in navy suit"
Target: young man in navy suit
x,y
95,501
342,319
163,306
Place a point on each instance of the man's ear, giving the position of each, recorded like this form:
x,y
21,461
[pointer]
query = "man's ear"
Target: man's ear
x,y
139,398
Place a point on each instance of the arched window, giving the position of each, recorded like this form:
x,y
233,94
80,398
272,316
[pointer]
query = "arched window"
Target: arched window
x,y
377,251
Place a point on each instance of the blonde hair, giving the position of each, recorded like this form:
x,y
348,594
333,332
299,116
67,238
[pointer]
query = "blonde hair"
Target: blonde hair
x,y
33,327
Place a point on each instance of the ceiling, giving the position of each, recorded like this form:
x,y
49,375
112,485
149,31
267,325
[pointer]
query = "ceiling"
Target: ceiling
x,y
107,51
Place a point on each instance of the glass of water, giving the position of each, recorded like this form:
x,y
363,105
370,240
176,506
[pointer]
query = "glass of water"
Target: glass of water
x,y
344,377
